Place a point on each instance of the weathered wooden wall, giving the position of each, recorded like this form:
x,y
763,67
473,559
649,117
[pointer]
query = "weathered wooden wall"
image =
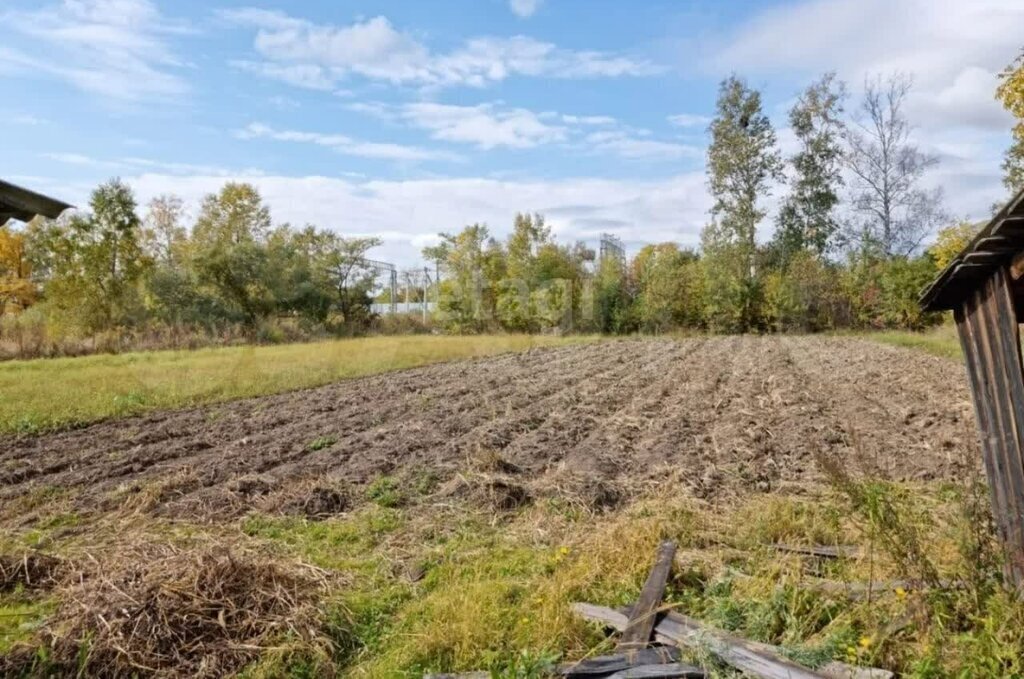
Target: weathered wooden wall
x,y
989,335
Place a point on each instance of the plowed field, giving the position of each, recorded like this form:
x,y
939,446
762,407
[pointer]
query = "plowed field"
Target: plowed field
x,y
727,415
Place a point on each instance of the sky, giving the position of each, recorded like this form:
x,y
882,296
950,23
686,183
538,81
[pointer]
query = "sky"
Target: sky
x,y
403,119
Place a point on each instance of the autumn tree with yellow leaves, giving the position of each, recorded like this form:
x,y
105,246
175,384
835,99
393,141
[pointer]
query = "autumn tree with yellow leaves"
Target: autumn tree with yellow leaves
x,y
17,290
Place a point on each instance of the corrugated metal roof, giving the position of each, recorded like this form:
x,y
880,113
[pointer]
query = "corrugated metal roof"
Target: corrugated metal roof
x,y
20,203
994,246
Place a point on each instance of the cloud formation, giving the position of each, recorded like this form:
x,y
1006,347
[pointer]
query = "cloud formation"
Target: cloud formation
x,y
320,56
345,145
524,8
117,49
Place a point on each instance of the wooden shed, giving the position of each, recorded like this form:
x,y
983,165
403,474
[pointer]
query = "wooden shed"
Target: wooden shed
x,y
20,203
984,287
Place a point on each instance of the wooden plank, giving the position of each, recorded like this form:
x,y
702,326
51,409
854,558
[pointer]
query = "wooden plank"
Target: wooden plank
x,y
637,633
997,358
1009,227
992,395
840,670
996,244
605,664
967,327
989,336
669,671
757,660
823,551
985,258
1013,378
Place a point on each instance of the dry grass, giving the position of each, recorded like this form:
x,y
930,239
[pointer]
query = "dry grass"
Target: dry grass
x,y
157,608
446,583
47,393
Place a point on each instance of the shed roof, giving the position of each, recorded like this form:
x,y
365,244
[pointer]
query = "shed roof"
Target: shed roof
x,y
20,203
993,247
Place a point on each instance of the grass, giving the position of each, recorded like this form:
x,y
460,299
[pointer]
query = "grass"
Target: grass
x,y
495,595
940,341
432,585
50,393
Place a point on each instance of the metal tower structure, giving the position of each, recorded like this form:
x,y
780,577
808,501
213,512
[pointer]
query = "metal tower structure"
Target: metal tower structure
x,y
417,278
387,271
611,246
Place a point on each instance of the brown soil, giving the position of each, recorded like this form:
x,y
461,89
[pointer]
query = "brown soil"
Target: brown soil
x,y
593,422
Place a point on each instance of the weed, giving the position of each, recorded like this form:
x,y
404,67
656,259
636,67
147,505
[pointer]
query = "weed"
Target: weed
x,y
321,442
385,492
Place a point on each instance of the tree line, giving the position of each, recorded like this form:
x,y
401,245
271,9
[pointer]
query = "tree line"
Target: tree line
x,y
847,249
109,269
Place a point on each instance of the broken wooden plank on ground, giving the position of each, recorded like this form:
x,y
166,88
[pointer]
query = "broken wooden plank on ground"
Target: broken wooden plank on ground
x,y
840,670
822,551
606,664
639,627
667,671
757,660
861,590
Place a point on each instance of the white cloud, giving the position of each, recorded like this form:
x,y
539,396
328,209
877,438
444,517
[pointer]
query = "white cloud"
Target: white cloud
x,y
485,126
25,119
374,49
284,103
490,125
136,164
524,8
118,49
307,76
689,120
588,120
629,145
76,159
953,49
345,145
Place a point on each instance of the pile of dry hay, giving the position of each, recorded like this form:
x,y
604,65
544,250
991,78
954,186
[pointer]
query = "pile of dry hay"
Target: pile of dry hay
x,y
30,571
157,609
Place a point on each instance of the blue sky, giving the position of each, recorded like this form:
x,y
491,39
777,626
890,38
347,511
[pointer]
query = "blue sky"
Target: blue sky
x,y
400,119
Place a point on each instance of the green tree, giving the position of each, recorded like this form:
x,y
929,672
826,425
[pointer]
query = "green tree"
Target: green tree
x,y
669,288
743,161
230,252
807,217
343,263
96,260
1010,93
514,307
612,297
473,264
806,296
